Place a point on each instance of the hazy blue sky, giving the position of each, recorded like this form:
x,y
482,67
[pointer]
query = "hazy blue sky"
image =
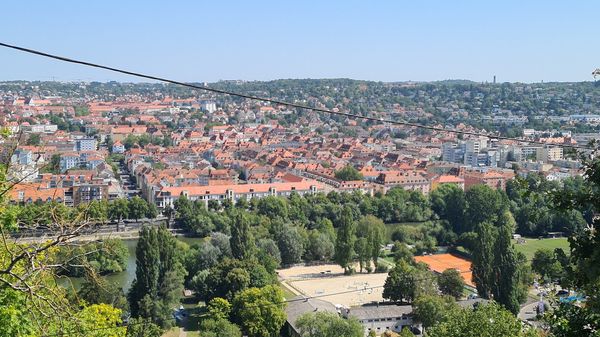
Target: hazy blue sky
x,y
394,40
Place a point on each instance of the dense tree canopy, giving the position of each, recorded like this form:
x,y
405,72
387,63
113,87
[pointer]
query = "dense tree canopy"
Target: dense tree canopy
x,y
348,173
260,311
489,320
325,324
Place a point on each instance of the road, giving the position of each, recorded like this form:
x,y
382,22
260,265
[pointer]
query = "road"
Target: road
x,y
129,229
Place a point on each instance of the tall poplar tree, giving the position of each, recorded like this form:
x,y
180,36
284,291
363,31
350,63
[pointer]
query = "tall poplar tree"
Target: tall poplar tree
x,y
241,240
345,239
483,259
158,277
507,288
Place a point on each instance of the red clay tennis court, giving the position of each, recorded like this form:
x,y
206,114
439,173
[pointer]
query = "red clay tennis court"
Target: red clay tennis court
x,y
440,262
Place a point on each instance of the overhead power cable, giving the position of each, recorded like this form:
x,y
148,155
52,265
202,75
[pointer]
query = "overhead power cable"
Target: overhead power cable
x,y
279,102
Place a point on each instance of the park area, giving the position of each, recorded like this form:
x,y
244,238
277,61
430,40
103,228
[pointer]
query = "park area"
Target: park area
x,y
531,245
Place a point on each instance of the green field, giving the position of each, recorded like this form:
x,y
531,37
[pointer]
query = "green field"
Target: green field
x,y
531,245
391,227
286,292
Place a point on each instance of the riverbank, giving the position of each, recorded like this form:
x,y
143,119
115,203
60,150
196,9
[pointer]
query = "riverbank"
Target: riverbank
x,y
125,235
128,234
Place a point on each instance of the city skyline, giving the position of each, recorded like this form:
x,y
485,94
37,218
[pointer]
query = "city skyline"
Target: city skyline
x,y
388,42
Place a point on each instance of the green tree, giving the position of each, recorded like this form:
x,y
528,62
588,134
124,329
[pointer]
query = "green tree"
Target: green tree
x,y
96,210
269,253
320,246
290,245
241,241
348,173
569,319
489,320
96,290
118,209
483,259
402,253
219,328
152,211
361,247
448,202
34,139
260,311
483,205
405,283
431,310
451,283
507,289
159,276
231,276
139,327
326,324
373,230
108,256
272,207
219,308
545,264
138,208
345,239
99,320
14,318
53,166
404,333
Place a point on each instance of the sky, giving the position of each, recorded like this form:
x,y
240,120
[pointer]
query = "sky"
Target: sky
x,y
207,41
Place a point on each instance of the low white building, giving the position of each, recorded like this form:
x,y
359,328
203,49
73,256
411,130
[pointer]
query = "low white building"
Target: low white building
x,y
380,318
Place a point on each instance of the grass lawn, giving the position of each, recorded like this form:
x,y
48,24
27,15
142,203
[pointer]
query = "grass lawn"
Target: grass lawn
x,y
173,332
286,293
532,245
388,260
391,227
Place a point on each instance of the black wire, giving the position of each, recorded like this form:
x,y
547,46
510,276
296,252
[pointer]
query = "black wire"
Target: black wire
x,y
275,101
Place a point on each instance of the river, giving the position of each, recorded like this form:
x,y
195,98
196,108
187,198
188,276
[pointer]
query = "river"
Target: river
x,y
125,278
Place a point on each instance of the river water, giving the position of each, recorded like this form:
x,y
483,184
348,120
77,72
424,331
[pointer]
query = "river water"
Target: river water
x,y
125,278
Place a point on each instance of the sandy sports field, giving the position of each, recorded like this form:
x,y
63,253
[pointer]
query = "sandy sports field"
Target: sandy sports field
x,y
327,279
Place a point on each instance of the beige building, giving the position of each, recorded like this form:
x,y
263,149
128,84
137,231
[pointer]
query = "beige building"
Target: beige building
x,y
549,154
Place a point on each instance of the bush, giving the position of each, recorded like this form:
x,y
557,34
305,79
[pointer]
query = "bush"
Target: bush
x,y
350,271
381,268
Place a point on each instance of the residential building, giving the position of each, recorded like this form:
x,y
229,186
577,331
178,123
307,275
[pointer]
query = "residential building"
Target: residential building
x,y
208,106
408,180
68,161
85,144
89,192
549,154
118,147
492,179
168,195
449,180
22,157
